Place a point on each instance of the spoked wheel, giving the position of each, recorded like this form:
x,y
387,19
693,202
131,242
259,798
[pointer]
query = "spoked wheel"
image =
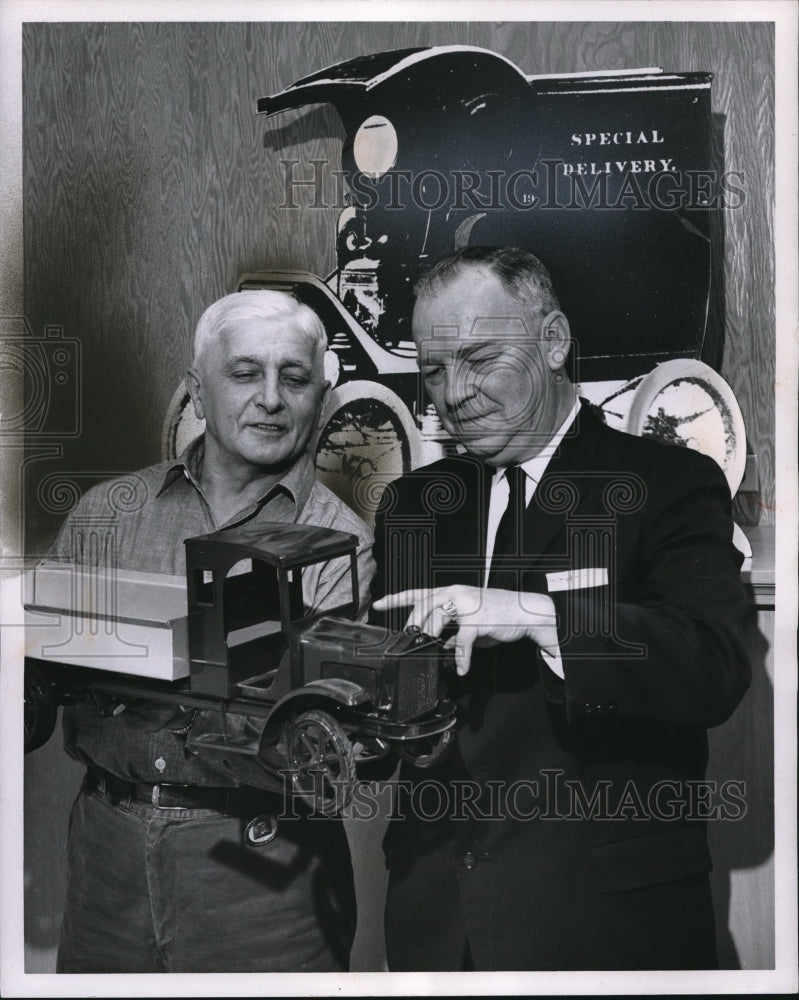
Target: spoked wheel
x,y
427,750
322,762
41,709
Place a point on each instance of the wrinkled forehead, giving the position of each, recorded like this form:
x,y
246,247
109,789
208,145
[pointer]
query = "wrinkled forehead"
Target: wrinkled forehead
x,y
442,336
272,339
510,329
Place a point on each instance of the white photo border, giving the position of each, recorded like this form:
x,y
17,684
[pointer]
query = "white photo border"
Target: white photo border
x,y
14,982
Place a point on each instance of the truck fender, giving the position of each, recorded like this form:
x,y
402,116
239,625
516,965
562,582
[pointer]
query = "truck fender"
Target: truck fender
x,y
338,689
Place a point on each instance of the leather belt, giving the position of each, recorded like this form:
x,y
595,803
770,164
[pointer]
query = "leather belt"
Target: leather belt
x,y
166,795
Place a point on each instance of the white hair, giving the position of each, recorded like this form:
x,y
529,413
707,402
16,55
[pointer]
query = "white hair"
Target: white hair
x,y
265,304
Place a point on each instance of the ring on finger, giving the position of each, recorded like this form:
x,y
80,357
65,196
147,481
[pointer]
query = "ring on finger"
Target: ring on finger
x,y
450,612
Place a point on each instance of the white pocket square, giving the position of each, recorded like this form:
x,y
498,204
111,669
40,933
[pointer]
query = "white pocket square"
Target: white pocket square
x,y
577,579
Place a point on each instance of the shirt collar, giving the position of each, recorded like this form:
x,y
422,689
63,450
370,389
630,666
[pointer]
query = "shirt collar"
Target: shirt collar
x,y
185,466
535,467
297,483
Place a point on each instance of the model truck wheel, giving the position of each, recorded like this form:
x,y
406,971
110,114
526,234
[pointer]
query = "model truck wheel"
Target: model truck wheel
x,y
428,750
40,709
322,761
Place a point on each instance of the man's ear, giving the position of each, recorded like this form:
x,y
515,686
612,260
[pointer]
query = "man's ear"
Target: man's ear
x,y
326,389
557,339
194,385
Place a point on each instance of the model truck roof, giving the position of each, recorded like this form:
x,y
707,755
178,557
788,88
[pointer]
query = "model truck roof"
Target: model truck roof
x,y
281,545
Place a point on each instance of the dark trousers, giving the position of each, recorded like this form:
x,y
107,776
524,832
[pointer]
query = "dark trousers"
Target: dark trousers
x,y
181,890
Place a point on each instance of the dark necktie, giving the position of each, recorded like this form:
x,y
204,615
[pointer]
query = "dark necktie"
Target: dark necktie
x,y
507,545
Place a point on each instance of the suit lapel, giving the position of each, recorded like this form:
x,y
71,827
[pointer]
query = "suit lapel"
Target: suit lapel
x,y
565,490
459,543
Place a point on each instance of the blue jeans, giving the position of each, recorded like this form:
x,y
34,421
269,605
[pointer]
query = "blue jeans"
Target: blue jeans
x,y
180,890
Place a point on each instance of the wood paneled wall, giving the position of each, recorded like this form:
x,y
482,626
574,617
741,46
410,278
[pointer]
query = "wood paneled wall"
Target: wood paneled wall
x,y
150,185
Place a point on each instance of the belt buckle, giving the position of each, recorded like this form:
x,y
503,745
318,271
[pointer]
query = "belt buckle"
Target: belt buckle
x,y
156,799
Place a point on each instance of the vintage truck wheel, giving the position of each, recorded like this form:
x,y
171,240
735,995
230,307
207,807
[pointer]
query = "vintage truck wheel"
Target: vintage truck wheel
x,y
427,750
321,760
41,709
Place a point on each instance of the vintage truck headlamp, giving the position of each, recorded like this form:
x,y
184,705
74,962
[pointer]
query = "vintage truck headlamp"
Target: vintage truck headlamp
x,y
375,146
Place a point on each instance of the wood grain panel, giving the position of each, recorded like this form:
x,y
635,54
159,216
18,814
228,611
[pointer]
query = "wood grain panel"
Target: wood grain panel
x,y
741,59
151,184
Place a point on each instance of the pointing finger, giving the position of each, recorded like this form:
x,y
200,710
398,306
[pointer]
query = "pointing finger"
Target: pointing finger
x,y
400,600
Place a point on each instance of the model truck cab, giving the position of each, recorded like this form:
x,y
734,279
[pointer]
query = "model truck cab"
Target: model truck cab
x,y
245,602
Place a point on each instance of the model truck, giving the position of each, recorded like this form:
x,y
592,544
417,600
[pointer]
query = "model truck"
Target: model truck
x,y
325,692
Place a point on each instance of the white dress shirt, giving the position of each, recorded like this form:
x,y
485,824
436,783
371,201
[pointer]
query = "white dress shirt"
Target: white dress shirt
x,y
533,469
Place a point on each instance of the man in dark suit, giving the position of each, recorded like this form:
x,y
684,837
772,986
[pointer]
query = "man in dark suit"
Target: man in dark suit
x,y
587,582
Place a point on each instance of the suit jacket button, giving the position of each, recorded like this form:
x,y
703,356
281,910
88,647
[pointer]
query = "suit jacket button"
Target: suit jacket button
x,y
469,861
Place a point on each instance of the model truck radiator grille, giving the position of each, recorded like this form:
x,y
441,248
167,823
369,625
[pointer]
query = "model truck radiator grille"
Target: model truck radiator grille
x,y
417,687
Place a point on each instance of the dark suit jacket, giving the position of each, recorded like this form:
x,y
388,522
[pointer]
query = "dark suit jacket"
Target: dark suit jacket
x,y
572,830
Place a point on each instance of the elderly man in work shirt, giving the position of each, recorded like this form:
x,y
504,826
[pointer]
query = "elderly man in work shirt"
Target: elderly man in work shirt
x,y
190,884
595,589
